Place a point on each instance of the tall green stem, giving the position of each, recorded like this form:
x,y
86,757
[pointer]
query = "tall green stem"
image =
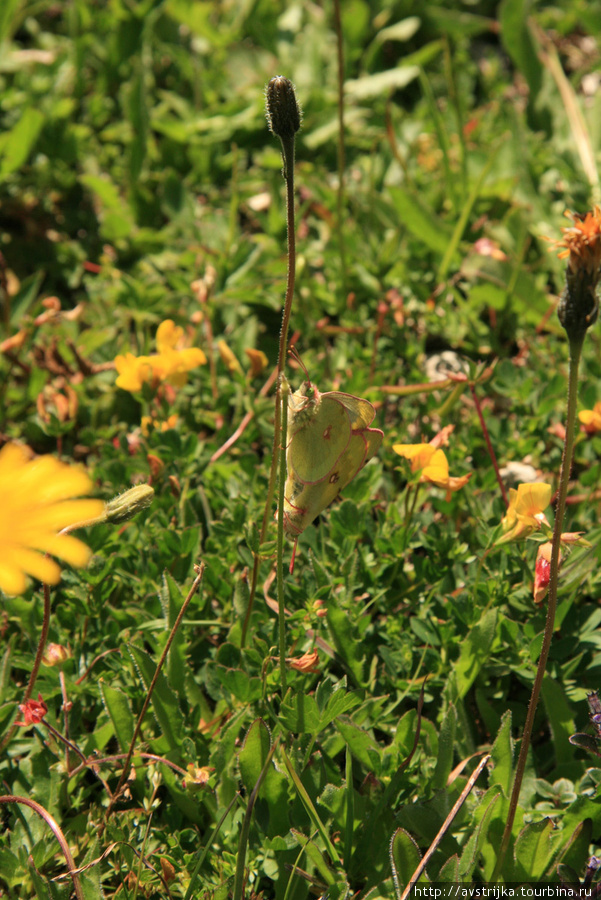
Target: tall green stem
x,y
284,125
284,392
575,345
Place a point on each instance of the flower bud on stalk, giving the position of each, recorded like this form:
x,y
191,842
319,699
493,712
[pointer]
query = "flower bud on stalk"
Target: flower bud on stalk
x,y
281,107
579,305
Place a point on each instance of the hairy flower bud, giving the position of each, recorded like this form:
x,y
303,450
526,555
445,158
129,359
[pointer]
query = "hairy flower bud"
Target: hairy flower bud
x,y
129,504
281,108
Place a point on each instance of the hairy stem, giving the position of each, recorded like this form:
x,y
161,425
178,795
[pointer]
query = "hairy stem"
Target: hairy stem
x,y
288,159
566,463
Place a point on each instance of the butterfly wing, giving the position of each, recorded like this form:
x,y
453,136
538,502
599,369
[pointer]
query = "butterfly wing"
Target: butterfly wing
x,y
361,412
318,443
303,502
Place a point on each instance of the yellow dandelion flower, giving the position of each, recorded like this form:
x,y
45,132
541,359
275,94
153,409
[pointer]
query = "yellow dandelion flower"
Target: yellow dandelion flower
x,y
36,503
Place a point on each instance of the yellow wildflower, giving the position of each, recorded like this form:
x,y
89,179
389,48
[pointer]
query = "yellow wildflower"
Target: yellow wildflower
x,y
525,512
433,466
591,419
228,357
36,503
148,424
171,363
258,361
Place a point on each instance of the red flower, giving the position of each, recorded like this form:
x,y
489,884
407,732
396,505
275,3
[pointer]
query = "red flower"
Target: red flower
x,y
33,711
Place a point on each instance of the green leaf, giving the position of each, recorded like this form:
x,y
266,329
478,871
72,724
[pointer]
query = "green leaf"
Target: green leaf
x,y
138,116
345,642
482,818
446,740
534,850
8,21
517,40
316,856
421,221
561,721
299,713
118,709
164,703
360,743
16,146
274,789
310,809
254,753
405,857
449,871
380,83
25,297
116,217
502,756
172,601
475,650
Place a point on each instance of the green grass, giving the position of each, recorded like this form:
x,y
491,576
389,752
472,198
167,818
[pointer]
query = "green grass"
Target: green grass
x,y
134,155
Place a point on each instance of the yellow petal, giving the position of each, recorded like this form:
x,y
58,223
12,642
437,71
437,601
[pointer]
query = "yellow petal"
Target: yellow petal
x,y
228,357
68,548
532,499
258,361
168,335
418,454
12,579
67,514
35,564
437,469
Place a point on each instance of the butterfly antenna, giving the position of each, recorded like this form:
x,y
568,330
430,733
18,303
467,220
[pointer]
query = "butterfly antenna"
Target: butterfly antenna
x,y
291,569
297,358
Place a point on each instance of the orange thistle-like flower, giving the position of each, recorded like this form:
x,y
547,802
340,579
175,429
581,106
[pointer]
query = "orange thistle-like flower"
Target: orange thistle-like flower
x,y
581,242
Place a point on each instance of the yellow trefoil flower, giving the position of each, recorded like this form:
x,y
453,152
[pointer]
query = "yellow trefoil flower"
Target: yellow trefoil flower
x,y
526,511
229,358
591,419
36,503
171,363
433,466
